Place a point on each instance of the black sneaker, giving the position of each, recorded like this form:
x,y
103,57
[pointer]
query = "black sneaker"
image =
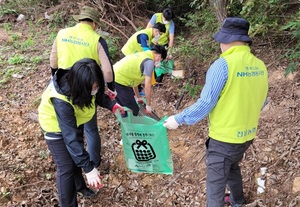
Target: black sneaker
x,y
87,193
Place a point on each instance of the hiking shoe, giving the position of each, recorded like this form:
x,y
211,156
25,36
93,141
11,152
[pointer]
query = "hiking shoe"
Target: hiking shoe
x,y
142,94
158,84
229,203
87,193
227,200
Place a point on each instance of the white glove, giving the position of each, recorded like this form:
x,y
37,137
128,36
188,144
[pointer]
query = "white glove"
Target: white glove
x,y
93,179
157,64
148,109
140,100
171,123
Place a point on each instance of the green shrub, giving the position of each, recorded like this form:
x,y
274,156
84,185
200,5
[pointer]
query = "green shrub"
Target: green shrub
x,y
17,59
264,15
113,47
293,53
189,46
192,90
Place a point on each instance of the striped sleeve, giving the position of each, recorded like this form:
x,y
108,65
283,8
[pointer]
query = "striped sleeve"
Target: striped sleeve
x,y
216,79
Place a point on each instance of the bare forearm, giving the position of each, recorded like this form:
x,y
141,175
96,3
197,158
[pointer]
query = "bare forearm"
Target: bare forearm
x,y
136,91
148,91
53,56
105,64
171,40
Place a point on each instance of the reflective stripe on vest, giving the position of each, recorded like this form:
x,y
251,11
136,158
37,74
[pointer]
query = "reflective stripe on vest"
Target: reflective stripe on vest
x,y
235,116
47,115
133,46
76,43
128,70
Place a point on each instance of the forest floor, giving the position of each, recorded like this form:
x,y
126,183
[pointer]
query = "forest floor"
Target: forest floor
x,y
27,171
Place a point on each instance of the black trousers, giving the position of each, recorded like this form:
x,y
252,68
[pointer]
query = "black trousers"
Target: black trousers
x,y
125,97
69,178
222,165
93,140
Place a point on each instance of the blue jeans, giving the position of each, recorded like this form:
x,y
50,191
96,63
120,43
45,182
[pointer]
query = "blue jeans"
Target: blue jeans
x,y
69,178
93,140
222,163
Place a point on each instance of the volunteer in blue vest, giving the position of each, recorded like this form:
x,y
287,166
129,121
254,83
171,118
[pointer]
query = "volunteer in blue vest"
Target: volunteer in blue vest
x,y
141,40
132,70
167,38
82,41
70,101
234,93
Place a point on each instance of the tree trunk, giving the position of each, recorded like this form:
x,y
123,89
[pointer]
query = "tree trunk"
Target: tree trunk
x,y
220,9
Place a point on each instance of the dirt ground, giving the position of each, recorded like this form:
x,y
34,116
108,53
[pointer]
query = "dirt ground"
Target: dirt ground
x,y
27,172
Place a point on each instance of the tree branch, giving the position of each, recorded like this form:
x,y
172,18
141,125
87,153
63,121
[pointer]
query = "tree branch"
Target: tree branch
x,y
110,24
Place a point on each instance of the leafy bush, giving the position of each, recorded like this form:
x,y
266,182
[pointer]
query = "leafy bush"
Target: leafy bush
x,y
193,90
293,54
179,7
189,46
113,47
27,7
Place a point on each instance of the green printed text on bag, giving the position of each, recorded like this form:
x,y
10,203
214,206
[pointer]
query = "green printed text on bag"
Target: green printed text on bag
x,y
145,144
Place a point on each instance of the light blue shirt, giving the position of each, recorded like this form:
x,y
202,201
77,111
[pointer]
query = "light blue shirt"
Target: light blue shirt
x,y
171,28
216,78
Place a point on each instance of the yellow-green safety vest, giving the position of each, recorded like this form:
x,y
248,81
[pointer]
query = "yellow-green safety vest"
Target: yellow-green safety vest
x,y
132,45
235,116
47,115
76,43
164,38
128,70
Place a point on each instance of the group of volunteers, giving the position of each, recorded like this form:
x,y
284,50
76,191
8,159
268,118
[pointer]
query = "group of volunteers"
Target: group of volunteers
x,y
84,77
81,71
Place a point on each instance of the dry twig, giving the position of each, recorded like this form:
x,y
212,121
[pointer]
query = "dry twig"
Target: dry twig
x,y
113,14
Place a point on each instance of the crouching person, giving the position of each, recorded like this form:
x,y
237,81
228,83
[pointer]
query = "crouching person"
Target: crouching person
x,y
70,101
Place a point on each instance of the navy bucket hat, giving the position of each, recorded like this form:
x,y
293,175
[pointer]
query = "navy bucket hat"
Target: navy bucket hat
x,y
233,29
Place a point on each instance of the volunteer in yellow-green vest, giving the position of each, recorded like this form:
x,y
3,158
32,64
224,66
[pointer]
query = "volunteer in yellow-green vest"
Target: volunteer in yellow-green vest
x,y
140,41
78,42
167,38
234,93
132,70
70,101
82,41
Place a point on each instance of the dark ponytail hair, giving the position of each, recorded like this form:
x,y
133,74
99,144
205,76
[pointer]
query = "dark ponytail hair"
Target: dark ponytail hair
x,y
81,77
